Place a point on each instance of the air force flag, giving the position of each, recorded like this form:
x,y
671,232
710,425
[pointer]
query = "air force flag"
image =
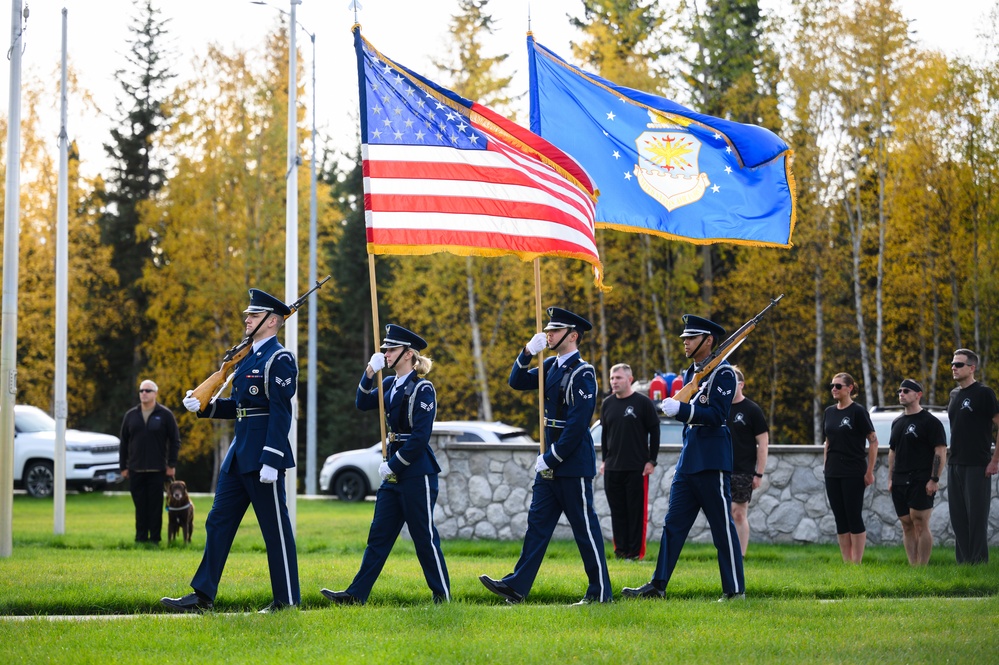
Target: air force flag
x,y
661,168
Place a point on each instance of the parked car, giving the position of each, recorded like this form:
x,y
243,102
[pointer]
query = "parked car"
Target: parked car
x,y
352,475
883,416
91,457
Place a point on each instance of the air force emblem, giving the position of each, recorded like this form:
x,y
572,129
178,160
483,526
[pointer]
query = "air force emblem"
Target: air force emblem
x,y
667,167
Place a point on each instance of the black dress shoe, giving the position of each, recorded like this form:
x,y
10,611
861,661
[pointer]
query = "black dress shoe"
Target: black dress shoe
x,y
192,602
341,597
276,606
645,591
440,599
501,589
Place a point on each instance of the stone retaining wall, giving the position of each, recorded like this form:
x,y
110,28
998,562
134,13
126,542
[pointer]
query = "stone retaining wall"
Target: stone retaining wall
x,y
485,492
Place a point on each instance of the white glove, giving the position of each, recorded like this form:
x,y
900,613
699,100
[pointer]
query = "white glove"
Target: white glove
x,y
670,406
540,465
384,470
192,404
268,474
537,344
377,362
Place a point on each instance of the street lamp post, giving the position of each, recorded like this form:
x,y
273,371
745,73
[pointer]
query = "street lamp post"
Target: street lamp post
x,y
291,250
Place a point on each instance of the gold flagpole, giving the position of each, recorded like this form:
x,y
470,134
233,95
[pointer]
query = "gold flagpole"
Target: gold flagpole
x,y
541,356
376,328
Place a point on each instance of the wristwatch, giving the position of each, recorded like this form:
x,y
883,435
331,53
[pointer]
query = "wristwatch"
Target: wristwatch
x,y
758,475
935,479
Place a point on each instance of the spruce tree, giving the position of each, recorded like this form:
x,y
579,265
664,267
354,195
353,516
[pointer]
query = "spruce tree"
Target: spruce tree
x,y
135,176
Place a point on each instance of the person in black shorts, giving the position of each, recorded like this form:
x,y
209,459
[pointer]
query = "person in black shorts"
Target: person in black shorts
x,y
848,470
750,441
918,451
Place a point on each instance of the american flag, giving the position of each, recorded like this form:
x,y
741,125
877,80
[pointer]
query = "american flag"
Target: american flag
x,y
444,174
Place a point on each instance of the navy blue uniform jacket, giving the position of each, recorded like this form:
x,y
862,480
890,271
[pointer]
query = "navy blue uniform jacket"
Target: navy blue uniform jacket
x,y
707,443
264,383
412,457
569,452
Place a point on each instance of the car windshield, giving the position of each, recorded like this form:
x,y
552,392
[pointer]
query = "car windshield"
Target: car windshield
x,y
670,432
516,436
33,420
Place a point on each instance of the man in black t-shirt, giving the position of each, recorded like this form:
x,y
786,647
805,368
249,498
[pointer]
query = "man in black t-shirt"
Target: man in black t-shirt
x,y
629,446
973,410
750,441
918,452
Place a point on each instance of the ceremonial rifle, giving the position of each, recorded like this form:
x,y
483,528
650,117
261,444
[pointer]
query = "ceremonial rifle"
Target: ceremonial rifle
x,y
723,351
213,386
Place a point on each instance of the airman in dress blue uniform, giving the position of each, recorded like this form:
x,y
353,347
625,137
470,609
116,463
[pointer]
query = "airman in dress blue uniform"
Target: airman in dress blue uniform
x,y
703,473
409,487
254,468
570,398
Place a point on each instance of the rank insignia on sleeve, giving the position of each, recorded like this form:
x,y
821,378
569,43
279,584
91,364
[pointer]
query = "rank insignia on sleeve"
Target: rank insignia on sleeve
x,y
427,407
282,382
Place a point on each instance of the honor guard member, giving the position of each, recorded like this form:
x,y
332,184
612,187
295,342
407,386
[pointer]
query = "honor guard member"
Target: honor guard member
x,y
570,398
254,468
409,487
702,480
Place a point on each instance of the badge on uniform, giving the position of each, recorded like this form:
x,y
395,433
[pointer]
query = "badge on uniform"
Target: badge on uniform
x,y
703,399
254,390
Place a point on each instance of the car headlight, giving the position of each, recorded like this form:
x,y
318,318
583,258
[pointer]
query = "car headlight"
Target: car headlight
x,y
76,448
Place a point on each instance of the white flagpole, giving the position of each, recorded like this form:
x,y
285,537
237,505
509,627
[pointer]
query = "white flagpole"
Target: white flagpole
x,y
61,313
291,247
8,313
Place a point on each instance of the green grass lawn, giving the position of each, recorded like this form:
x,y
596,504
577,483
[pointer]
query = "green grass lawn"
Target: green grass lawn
x,y
803,603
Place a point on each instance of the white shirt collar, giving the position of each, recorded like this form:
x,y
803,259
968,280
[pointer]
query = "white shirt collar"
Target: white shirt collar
x,y
259,343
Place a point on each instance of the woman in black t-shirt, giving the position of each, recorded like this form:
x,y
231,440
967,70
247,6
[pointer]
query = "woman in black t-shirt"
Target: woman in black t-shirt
x,y
849,469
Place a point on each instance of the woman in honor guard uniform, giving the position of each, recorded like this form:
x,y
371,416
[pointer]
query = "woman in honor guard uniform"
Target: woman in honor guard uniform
x,y
253,470
702,480
409,476
570,398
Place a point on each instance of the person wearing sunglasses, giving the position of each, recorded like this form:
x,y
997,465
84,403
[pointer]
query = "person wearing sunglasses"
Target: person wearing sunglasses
x,y
973,410
848,469
147,456
917,453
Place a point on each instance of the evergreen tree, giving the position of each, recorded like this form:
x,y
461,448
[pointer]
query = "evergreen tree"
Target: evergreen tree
x,y
136,175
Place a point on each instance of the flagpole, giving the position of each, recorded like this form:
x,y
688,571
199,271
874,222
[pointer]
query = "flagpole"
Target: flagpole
x,y
376,327
541,356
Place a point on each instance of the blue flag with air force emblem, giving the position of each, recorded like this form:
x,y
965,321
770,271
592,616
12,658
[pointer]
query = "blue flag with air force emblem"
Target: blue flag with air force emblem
x,y
660,167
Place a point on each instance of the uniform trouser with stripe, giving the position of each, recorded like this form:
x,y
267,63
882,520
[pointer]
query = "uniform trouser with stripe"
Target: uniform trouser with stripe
x,y
234,493
711,492
552,498
968,494
409,501
627,493
147,494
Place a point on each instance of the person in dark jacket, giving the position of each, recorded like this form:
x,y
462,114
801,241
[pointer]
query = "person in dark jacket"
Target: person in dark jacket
x,y
252,473
150,443
570,388
409,487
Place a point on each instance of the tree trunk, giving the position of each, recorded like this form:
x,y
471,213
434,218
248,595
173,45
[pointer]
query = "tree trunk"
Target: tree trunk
x,y
817,434
707,278
485,406
856,234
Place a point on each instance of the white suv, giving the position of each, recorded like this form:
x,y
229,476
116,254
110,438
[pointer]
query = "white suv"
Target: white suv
x,y
91,457
353,474
883,416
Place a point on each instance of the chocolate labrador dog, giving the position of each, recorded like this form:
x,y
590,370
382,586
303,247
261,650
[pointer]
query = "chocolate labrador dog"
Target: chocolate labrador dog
x,y
181,511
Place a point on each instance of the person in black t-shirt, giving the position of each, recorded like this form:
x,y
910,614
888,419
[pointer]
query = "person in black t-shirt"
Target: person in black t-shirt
x,y
918,452
848,470
973,410
629,447
750,441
